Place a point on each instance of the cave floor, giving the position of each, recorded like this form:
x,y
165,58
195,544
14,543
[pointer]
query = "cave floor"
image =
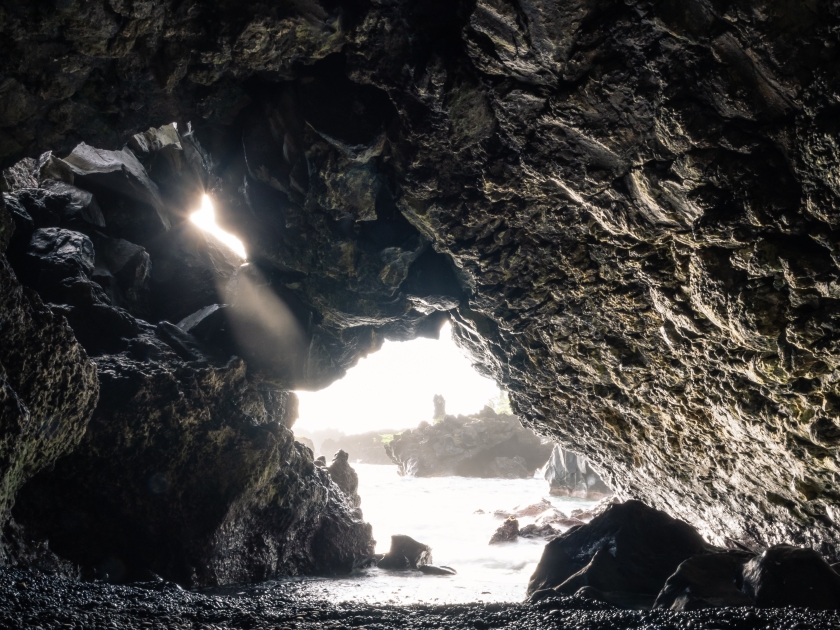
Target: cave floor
x,y
35,600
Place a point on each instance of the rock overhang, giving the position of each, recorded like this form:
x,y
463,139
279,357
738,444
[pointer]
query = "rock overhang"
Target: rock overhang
x,y
633,205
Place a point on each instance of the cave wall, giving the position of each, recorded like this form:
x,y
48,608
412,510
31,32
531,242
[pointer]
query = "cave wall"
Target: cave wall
x,y
628,208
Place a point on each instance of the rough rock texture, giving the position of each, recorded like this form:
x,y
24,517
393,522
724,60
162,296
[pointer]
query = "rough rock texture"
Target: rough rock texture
x,y
485,445
506,532
569,474
188,468
630,548
629,206
48,390
345,478
632,556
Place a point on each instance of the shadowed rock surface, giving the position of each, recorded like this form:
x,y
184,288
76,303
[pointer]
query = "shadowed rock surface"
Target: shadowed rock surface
x,y
632,556
628,207
485,445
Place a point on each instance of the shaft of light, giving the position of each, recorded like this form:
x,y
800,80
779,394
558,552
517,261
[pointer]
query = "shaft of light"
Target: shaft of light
x,y
206,220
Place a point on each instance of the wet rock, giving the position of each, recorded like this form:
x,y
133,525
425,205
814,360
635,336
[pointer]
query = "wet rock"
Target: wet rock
x,y
569,474
485,445
507,531
706,581
542,531
791,576
405,553
345,478
430,569
630,548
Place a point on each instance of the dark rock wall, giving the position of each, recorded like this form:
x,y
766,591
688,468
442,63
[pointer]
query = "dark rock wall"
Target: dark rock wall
x,y
48,387
632,203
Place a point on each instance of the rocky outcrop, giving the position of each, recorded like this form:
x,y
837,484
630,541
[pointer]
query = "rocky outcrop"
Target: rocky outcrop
x,y
569,474
629,207
188,468
48,390
345,478
506,532
632,556
484,445
405,553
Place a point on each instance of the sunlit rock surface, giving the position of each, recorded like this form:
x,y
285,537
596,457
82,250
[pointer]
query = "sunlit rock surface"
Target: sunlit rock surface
x,y
629,207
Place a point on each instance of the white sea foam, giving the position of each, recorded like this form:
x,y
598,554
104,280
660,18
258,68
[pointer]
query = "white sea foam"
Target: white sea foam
x,y
441,512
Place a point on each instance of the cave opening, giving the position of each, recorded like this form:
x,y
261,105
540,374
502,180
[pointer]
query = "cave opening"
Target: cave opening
x,y
441,457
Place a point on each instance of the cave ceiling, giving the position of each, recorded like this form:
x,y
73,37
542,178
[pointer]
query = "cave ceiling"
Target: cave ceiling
x,y
628,209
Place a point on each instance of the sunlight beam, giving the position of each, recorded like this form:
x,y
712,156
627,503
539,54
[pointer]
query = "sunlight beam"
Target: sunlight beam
x,y
206,220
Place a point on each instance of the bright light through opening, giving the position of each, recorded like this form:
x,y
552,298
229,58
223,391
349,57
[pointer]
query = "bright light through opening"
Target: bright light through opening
x,y
393,388
206,220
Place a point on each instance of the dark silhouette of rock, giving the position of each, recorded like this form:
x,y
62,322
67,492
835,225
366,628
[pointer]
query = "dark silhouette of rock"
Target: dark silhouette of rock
x,y
630,548
484,445
48,390
405,553
791,576
569,474
59,254
507,531
345,478
706,581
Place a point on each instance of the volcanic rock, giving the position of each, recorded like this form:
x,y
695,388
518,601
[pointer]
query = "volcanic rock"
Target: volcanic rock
x,y
485,445
507,531
628,209
544,531
569,474
405,553
791,576
630,548
430,569
48,387
707,581
345,478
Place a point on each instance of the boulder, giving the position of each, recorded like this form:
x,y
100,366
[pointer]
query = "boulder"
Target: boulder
x,y
706,581
569,474
123,270
405,553
81,210
130,200
791,576
55,254
345,478
507,531
543,531
637,548
485,445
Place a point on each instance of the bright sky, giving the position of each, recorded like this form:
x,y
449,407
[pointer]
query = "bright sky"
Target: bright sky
x,y
393,388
